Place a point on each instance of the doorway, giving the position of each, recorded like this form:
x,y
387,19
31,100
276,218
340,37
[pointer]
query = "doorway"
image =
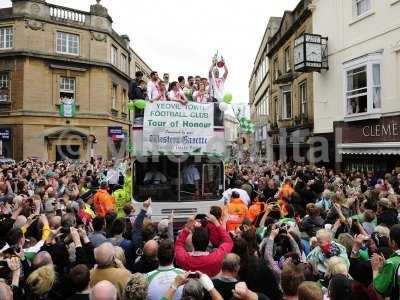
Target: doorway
x,y
70,152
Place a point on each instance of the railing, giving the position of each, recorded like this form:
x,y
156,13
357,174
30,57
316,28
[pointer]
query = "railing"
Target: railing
x,y
61,13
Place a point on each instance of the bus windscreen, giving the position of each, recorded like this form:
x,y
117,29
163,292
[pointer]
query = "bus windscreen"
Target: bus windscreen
x,y
166,180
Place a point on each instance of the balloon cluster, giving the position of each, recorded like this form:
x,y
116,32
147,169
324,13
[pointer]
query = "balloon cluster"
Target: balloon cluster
x,y
138,103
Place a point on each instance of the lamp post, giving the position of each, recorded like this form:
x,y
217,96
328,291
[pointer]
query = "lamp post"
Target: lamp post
x,y
92,141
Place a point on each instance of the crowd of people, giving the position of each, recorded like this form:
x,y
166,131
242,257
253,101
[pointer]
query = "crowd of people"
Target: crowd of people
x,y
286,231
195,88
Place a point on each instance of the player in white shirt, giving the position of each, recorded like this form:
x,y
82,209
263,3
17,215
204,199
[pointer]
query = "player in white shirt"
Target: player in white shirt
x,y
152,90
217,83
166,81
201,96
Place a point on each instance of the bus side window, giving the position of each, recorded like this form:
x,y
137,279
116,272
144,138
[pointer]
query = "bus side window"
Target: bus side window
x,y
211,179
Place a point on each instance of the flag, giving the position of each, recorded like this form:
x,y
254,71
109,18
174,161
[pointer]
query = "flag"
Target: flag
x,y
67,108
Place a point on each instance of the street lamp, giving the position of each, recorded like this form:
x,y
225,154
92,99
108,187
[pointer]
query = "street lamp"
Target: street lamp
x,y
92,141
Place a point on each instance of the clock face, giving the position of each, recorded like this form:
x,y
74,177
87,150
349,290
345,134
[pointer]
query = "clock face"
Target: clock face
x,y
298,54
313,52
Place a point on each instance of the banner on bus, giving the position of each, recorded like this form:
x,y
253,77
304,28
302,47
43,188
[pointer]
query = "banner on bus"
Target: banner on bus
x,y
174,128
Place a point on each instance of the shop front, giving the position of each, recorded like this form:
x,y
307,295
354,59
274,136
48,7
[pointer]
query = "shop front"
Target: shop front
x,y
369,145
6,142
117,141
291,145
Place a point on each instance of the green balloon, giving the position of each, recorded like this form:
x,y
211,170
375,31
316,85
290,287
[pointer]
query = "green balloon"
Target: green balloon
x,y
140,103
131,105
228,98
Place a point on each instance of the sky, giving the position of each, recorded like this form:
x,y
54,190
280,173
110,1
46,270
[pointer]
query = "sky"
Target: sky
x,y
181,36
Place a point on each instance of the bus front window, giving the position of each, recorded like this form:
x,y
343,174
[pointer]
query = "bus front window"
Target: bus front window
x,y
158,180
190,180
164,180
201,180
212,180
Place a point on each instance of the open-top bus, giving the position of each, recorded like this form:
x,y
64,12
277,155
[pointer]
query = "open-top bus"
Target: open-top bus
x,y
179,158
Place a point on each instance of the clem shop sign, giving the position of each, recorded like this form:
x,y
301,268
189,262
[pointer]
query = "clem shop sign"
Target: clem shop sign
x,y
385,129
382,130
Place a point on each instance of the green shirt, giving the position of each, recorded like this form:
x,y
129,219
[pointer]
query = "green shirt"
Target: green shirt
x,y
386,276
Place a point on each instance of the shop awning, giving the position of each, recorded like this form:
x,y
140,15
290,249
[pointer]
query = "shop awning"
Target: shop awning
x,y
389,148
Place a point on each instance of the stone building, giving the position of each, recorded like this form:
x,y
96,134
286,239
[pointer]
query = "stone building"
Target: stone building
x,y
64,80
357,101
291,93
260,90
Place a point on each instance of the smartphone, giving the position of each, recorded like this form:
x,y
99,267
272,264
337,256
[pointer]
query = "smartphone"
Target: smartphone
x,y
193,275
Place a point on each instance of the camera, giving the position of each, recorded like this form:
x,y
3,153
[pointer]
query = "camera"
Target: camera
x,y
193,275
11,251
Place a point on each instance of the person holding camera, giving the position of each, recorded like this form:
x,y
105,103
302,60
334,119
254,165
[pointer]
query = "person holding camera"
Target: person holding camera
x,y
12,291
254,271
200,259
279,242
194,284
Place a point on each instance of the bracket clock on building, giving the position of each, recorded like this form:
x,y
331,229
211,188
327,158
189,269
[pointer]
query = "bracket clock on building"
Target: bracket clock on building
x,y
310,53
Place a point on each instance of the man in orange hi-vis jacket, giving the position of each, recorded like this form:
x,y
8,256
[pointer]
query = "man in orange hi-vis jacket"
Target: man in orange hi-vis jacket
x,y
103,202
285,195
237,211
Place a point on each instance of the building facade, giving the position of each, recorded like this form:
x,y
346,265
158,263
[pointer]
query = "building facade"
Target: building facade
x,y
64,80
259,88
357,101
291,105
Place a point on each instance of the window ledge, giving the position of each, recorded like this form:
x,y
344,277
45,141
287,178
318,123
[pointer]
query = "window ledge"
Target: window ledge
x,y
68,54
362,116
362,17
59,104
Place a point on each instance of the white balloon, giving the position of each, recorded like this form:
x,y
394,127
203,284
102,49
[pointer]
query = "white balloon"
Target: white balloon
x,y
223,106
